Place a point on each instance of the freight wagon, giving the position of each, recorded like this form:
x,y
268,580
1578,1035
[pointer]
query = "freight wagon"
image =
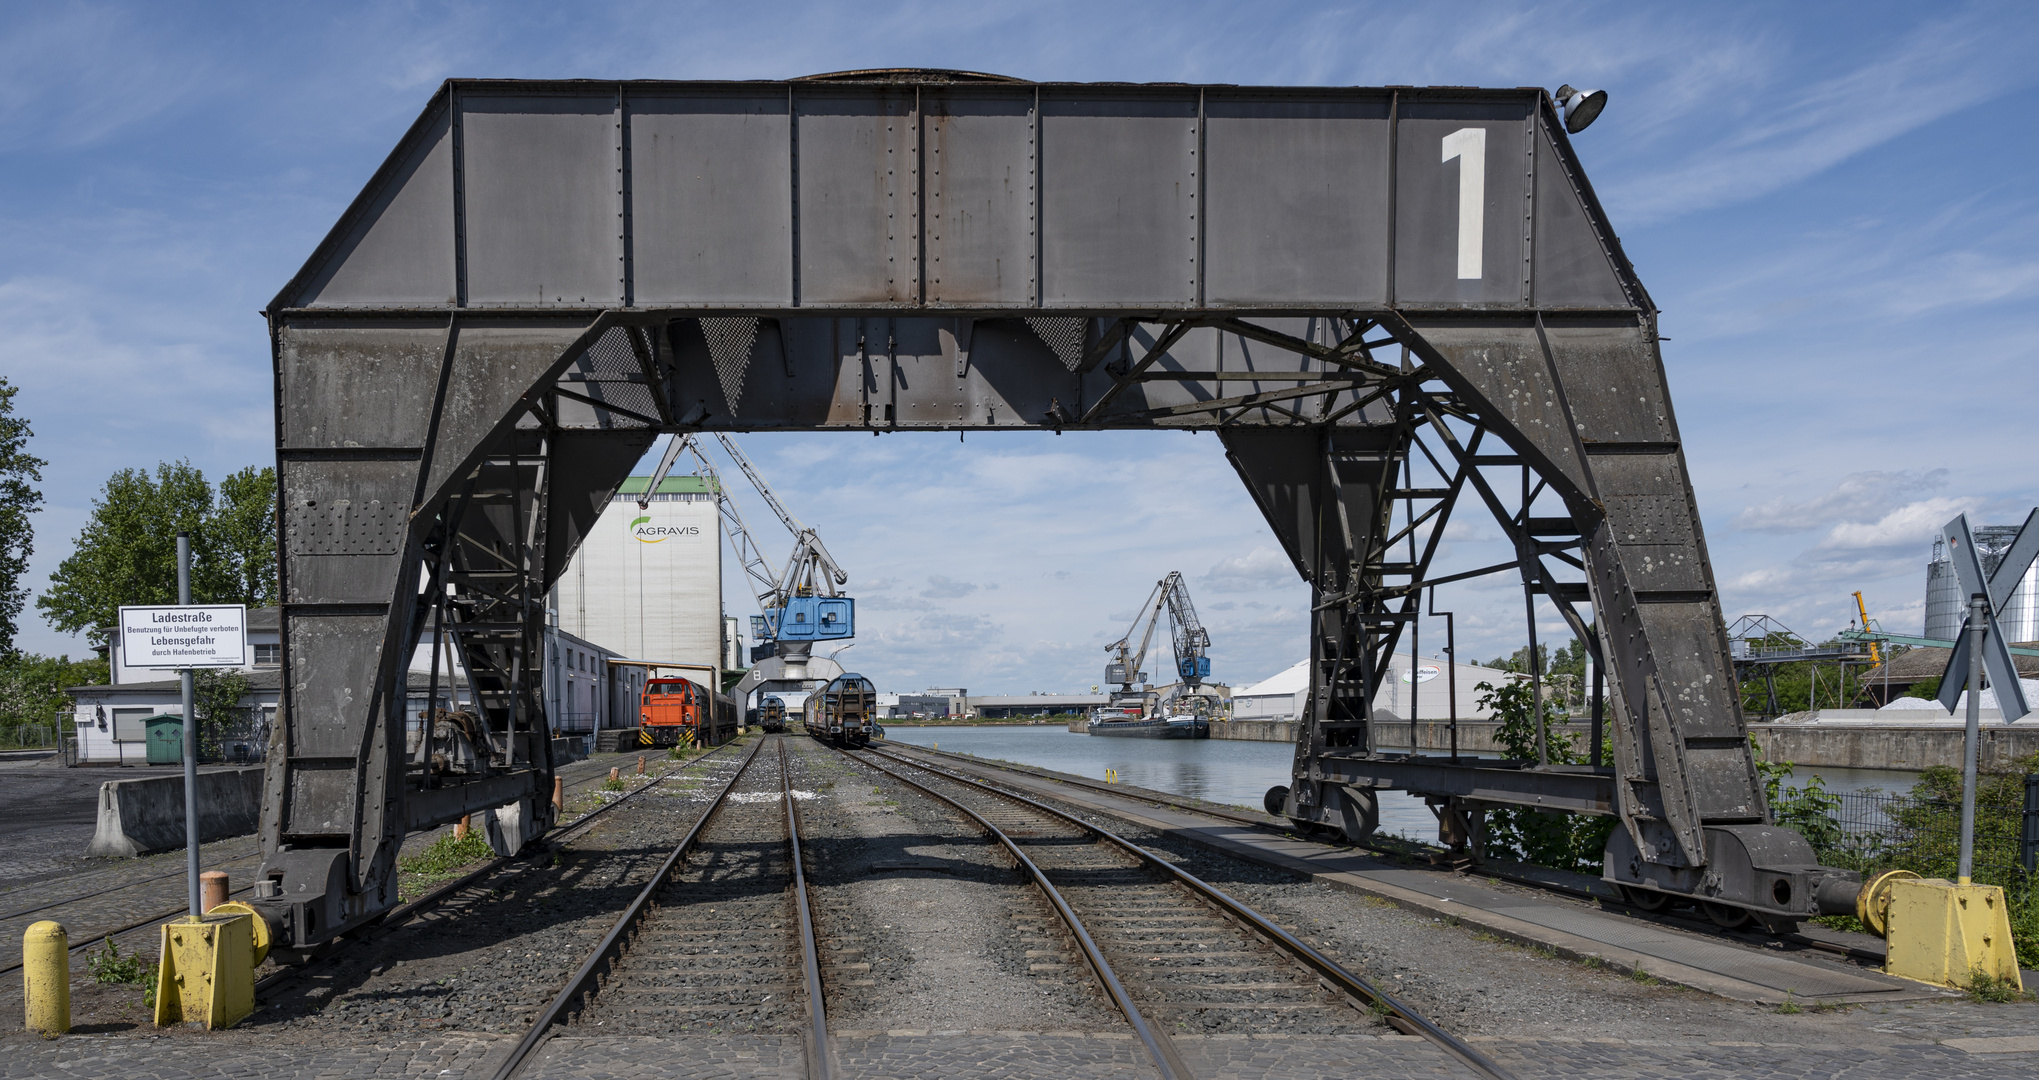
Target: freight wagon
x,y
844,712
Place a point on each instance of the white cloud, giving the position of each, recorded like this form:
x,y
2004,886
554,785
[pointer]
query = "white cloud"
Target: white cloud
x,y
1255,569
1857,497
945,588
1907,526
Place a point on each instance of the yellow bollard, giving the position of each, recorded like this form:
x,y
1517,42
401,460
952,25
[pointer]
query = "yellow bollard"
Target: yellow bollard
x,y
207,971
1947,934
212,889
46,977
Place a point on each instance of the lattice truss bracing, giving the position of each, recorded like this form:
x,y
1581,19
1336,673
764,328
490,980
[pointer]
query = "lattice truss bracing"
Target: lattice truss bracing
x,y
1389,304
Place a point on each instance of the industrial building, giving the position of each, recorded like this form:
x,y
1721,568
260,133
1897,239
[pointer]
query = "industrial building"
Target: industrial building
x,y
584,692
1946,607
1426,685
647,581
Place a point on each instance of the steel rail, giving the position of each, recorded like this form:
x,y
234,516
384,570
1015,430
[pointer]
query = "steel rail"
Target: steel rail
x,y
1696,924
818,1066
1159,1047
611,944
397,913
179,872
1345,981
403,913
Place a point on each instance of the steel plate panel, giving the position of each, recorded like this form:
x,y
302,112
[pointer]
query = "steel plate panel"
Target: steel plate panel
x,y
1118,201
401,251
356,386
980,198
1430,267
344,524
1298,201
1649,509
1613,383
1690,649
332,664
544,209
859,214
1504,365
711,197
1572,264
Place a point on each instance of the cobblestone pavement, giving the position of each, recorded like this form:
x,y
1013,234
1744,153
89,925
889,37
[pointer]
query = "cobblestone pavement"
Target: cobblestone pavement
x,y
994,1055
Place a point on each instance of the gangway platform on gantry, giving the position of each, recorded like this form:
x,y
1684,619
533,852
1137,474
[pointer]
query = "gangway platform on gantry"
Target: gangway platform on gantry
x,y
1570,928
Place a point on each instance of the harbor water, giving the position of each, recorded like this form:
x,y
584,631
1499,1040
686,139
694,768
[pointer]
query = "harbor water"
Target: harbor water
x,y
1235,773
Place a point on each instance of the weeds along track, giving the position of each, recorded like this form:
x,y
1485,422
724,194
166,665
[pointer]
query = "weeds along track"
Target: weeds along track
x,y
720,941
1177,955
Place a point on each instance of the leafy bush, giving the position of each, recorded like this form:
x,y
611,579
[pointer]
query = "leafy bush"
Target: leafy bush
x,y
1920,830
109,966
1560,841
448,854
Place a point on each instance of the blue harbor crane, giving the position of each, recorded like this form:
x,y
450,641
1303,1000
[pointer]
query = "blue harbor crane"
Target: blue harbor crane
x,y
801,605
1192,641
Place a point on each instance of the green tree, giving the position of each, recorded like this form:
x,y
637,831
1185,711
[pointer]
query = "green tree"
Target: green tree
x,y
127,552
242,536
32,687
20,471
216,698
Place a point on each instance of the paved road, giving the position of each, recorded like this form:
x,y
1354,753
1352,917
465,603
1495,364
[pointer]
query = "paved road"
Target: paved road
x,y
47,813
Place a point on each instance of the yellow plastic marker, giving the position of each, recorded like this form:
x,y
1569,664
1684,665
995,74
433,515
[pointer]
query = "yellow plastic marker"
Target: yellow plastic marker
x,y
46,977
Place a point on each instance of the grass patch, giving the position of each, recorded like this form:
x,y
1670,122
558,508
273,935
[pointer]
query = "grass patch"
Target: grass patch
x,y
448,854
1790,1007
1988,989
614,785
1638,975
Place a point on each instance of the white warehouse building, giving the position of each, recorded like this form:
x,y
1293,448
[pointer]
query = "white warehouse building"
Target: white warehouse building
x,y
648,582
1424,684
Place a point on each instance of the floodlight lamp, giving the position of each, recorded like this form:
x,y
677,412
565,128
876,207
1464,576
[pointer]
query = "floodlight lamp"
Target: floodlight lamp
x,y
1581,107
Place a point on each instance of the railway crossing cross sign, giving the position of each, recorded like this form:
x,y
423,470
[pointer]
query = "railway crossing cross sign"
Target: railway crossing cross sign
x,y
1997,587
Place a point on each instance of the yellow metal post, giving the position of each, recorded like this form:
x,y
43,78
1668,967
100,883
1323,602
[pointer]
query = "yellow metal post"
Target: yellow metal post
x,y
1947,934
46,977
207,974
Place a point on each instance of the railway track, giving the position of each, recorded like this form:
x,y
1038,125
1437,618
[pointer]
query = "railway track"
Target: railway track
x,y
1691,921
721,937
94,932
1169,950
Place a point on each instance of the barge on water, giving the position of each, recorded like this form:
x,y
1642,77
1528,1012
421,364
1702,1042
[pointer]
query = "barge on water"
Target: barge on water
x,y
1166,723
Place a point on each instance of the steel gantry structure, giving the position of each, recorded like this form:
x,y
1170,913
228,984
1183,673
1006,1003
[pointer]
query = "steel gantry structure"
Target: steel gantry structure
x,y
1385,302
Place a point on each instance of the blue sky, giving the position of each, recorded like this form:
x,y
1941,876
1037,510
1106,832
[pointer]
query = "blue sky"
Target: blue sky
x,y
1831,203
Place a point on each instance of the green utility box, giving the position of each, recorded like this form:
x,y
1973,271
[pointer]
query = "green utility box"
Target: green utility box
x,y
164,736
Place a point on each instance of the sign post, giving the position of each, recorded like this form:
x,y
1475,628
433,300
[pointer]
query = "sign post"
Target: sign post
x,y
186,637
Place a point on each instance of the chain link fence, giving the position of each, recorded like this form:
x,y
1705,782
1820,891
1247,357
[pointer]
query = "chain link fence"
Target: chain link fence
x,y
31,735
1878,830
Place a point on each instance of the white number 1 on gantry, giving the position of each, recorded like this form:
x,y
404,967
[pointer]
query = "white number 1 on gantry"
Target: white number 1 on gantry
x,y
1469,146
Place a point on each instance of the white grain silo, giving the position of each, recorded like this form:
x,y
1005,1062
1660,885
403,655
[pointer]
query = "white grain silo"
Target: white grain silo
x,y
1946,606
